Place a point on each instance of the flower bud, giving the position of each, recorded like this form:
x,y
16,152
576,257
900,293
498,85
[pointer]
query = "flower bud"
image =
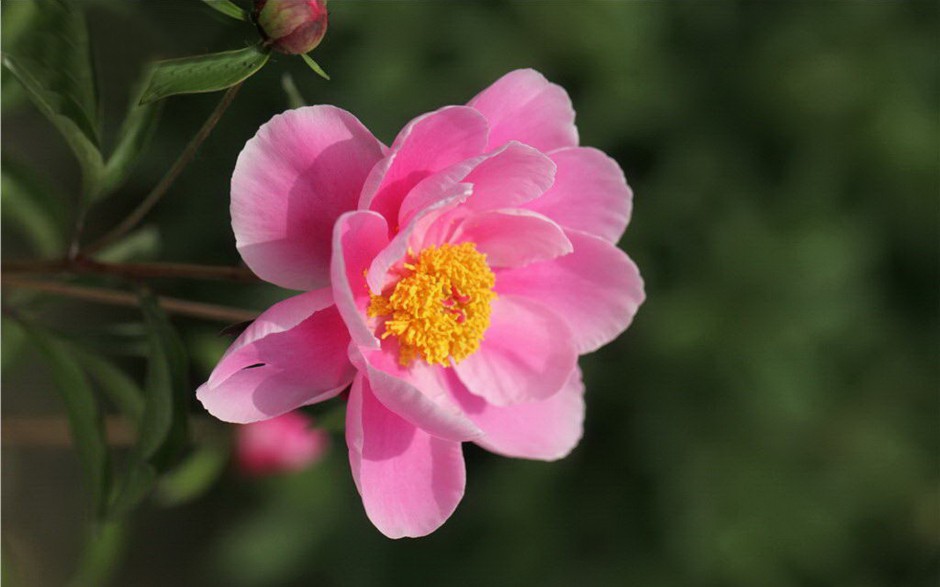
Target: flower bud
x,y
292,26
284,444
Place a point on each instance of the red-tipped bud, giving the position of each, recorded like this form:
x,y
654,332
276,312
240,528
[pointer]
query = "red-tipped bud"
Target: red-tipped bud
x,y
292,26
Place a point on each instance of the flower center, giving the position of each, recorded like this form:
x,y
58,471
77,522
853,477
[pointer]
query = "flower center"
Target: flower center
x,y
441,306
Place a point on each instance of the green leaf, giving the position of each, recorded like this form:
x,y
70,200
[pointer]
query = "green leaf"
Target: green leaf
x,y
143,243
123,391
50,55
138,129
315,66
81,406
162,431
204,73
103,549
228,8
193,477
32,208
294,98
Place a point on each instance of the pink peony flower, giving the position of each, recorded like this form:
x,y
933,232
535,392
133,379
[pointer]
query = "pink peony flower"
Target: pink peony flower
x,y
286,443
452,279
292,26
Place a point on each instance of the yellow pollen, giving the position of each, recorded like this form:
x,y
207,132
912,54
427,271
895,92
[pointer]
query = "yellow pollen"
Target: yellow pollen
x,y
440,308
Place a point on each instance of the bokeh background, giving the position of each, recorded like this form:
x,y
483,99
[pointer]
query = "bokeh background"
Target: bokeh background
x,y
771,417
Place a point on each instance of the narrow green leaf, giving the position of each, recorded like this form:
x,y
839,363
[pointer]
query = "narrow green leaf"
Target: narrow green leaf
x,y
162,432
117,385
31,208
294,98
102,550
49,53
204,73
143,243
193,477
228,8
82,408
54,107
315,66
138,129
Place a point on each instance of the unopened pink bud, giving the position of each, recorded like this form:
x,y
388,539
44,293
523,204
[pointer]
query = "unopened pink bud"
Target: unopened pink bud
x,y
292,26
280,445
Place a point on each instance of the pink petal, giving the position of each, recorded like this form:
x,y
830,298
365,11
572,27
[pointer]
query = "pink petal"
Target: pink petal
x,y
283,361
428,144
357,239
513,175
410,481
596,290
590,194
416,393
524,106
546,430
512,238
302,170
526,355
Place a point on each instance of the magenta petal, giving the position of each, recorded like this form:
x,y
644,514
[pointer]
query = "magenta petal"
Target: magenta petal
x,y
590,194
284,360
415,393
546,430
357,239
409,480
526,355
428,144
512,238
596,290
524,106
301,170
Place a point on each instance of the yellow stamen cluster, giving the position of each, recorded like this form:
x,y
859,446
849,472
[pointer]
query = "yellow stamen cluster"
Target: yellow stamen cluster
x,y
441,306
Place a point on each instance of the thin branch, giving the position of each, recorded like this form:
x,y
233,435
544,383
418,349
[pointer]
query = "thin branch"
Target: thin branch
x,y
121,298
84,265
189,152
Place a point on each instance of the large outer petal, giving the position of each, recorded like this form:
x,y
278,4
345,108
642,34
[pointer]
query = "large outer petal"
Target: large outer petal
x,y
427,145
546,430
415,393
294,354
410,481
596,289
590,193
357,239
301,170
526,354
524,106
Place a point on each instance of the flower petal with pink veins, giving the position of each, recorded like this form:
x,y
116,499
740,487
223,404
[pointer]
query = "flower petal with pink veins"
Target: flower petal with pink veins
x,y
590,193
357,239
281,362
416,393
526,354
428,144
596,290
546,430
410,481
514,237
524,106
292,181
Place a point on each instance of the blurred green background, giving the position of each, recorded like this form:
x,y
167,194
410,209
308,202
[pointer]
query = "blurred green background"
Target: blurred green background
x,y
771,417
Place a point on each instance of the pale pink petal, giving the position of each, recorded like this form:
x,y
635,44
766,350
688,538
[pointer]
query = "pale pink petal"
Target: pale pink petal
x,y
512,238
357,239
428,144
513,175
281,364
409,480
302,170
526,355
590,194
416,393
287,443
545,430
524,106
596,290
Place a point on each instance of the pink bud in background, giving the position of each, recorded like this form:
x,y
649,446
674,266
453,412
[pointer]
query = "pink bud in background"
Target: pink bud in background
x,y
292,26
283,444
